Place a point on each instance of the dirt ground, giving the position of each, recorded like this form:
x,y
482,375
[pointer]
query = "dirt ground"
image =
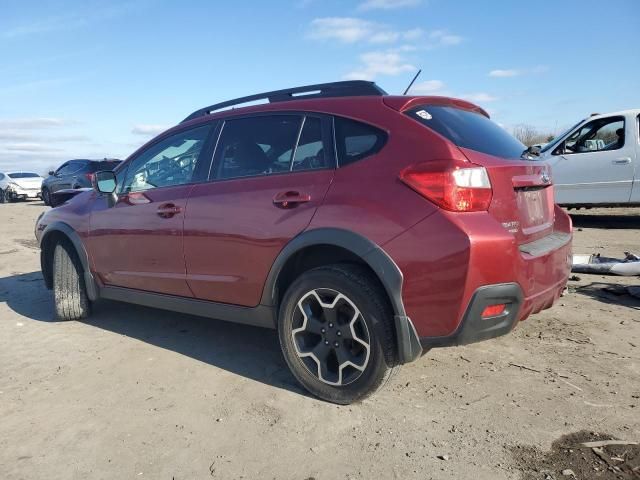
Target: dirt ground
x,y
135,392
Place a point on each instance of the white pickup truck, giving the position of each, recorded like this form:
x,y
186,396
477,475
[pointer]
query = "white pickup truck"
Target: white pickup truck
x,y
597,161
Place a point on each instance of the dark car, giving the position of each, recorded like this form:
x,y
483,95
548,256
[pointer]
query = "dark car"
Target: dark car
x,y
365,228
74,174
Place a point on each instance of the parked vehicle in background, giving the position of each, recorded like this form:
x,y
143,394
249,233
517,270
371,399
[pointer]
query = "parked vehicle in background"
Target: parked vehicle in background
x,y
19,186
597,162
366,228
74,174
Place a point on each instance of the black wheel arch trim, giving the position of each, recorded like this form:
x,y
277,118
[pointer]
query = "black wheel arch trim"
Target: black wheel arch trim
x,y
74,238
408,343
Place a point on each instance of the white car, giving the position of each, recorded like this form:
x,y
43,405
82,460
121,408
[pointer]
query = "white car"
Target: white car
x,y
19,185
597,161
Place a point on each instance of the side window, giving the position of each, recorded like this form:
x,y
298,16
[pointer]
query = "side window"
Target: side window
x,y
356,140
600,135
74,167
64,169
169,162
309,153
261,145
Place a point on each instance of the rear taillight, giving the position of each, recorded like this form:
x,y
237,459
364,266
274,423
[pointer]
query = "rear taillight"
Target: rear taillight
x,y
455,186
91,177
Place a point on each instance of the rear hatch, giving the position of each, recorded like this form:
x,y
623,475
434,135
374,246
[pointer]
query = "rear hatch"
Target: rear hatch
x,y
522,199
27,181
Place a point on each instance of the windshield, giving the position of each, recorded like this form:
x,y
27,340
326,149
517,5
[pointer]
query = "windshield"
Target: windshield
x,y
23,175
559,137
469,130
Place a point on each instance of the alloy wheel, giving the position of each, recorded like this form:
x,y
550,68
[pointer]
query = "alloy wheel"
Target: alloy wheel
x,y
331,337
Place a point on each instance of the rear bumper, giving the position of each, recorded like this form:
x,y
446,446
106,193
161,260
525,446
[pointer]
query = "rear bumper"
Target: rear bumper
x,y
24,193
451,262
473,328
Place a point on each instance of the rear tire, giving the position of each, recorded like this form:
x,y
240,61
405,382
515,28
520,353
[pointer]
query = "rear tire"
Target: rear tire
x,y
70,294
46,197
335,333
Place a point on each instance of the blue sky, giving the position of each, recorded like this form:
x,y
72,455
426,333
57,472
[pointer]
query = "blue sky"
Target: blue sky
x,y
94,79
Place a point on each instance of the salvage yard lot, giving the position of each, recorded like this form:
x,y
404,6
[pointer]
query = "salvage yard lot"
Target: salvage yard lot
x,y
134,392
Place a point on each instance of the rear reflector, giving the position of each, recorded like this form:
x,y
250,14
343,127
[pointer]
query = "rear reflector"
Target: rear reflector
x,y
493,310
454,186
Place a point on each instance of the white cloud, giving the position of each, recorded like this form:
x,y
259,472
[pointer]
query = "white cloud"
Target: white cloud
x,y
354,30
514,72
380,63
479,97
387,4
148,130
33,123
29,147
21,136
504,73
428,87
343,29
442,38
413,34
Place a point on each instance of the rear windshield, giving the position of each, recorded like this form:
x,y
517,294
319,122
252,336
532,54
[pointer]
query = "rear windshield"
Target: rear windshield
x,y
23,175
108,165
469,130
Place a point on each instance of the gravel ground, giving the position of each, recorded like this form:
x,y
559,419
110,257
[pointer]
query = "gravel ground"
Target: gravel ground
x,y
135,392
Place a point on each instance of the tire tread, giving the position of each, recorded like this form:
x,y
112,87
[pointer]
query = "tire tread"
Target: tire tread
x,y
70,296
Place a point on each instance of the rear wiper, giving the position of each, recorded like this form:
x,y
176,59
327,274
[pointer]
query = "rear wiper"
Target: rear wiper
x,y
530,153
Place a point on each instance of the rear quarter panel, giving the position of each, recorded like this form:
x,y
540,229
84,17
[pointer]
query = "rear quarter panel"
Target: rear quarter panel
x,y
367,196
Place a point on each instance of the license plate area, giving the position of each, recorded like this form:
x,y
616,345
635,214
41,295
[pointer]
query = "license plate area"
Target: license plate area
x,y
536,211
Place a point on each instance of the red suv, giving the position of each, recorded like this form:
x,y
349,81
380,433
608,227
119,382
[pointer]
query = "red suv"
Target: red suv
x,y
365,228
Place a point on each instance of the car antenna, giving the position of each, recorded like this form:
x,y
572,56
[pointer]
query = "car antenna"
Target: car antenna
x,y
411,84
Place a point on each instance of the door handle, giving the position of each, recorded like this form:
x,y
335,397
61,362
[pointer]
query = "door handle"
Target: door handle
x,y
290,199
168,210
622,161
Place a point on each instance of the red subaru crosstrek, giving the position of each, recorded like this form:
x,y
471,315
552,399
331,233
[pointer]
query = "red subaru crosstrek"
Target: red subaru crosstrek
x,y
366,228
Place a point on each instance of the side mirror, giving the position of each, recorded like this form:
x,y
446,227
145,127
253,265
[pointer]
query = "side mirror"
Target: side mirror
x,y
105,181
52,173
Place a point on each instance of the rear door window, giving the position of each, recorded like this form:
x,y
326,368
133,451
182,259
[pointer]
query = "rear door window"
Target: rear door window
x,y
469,130
356,140
256,146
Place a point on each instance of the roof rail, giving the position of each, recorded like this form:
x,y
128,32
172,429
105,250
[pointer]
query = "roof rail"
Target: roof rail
x,y
350,88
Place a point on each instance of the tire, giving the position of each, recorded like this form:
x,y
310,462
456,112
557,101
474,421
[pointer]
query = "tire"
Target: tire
x,y
3,197
46,197
345,310
70,294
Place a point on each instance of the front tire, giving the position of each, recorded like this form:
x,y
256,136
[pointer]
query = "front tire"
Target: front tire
x,y
335,332
70,294
3,196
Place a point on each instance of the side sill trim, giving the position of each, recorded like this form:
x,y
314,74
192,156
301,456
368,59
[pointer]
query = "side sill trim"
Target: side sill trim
x,y
260,316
